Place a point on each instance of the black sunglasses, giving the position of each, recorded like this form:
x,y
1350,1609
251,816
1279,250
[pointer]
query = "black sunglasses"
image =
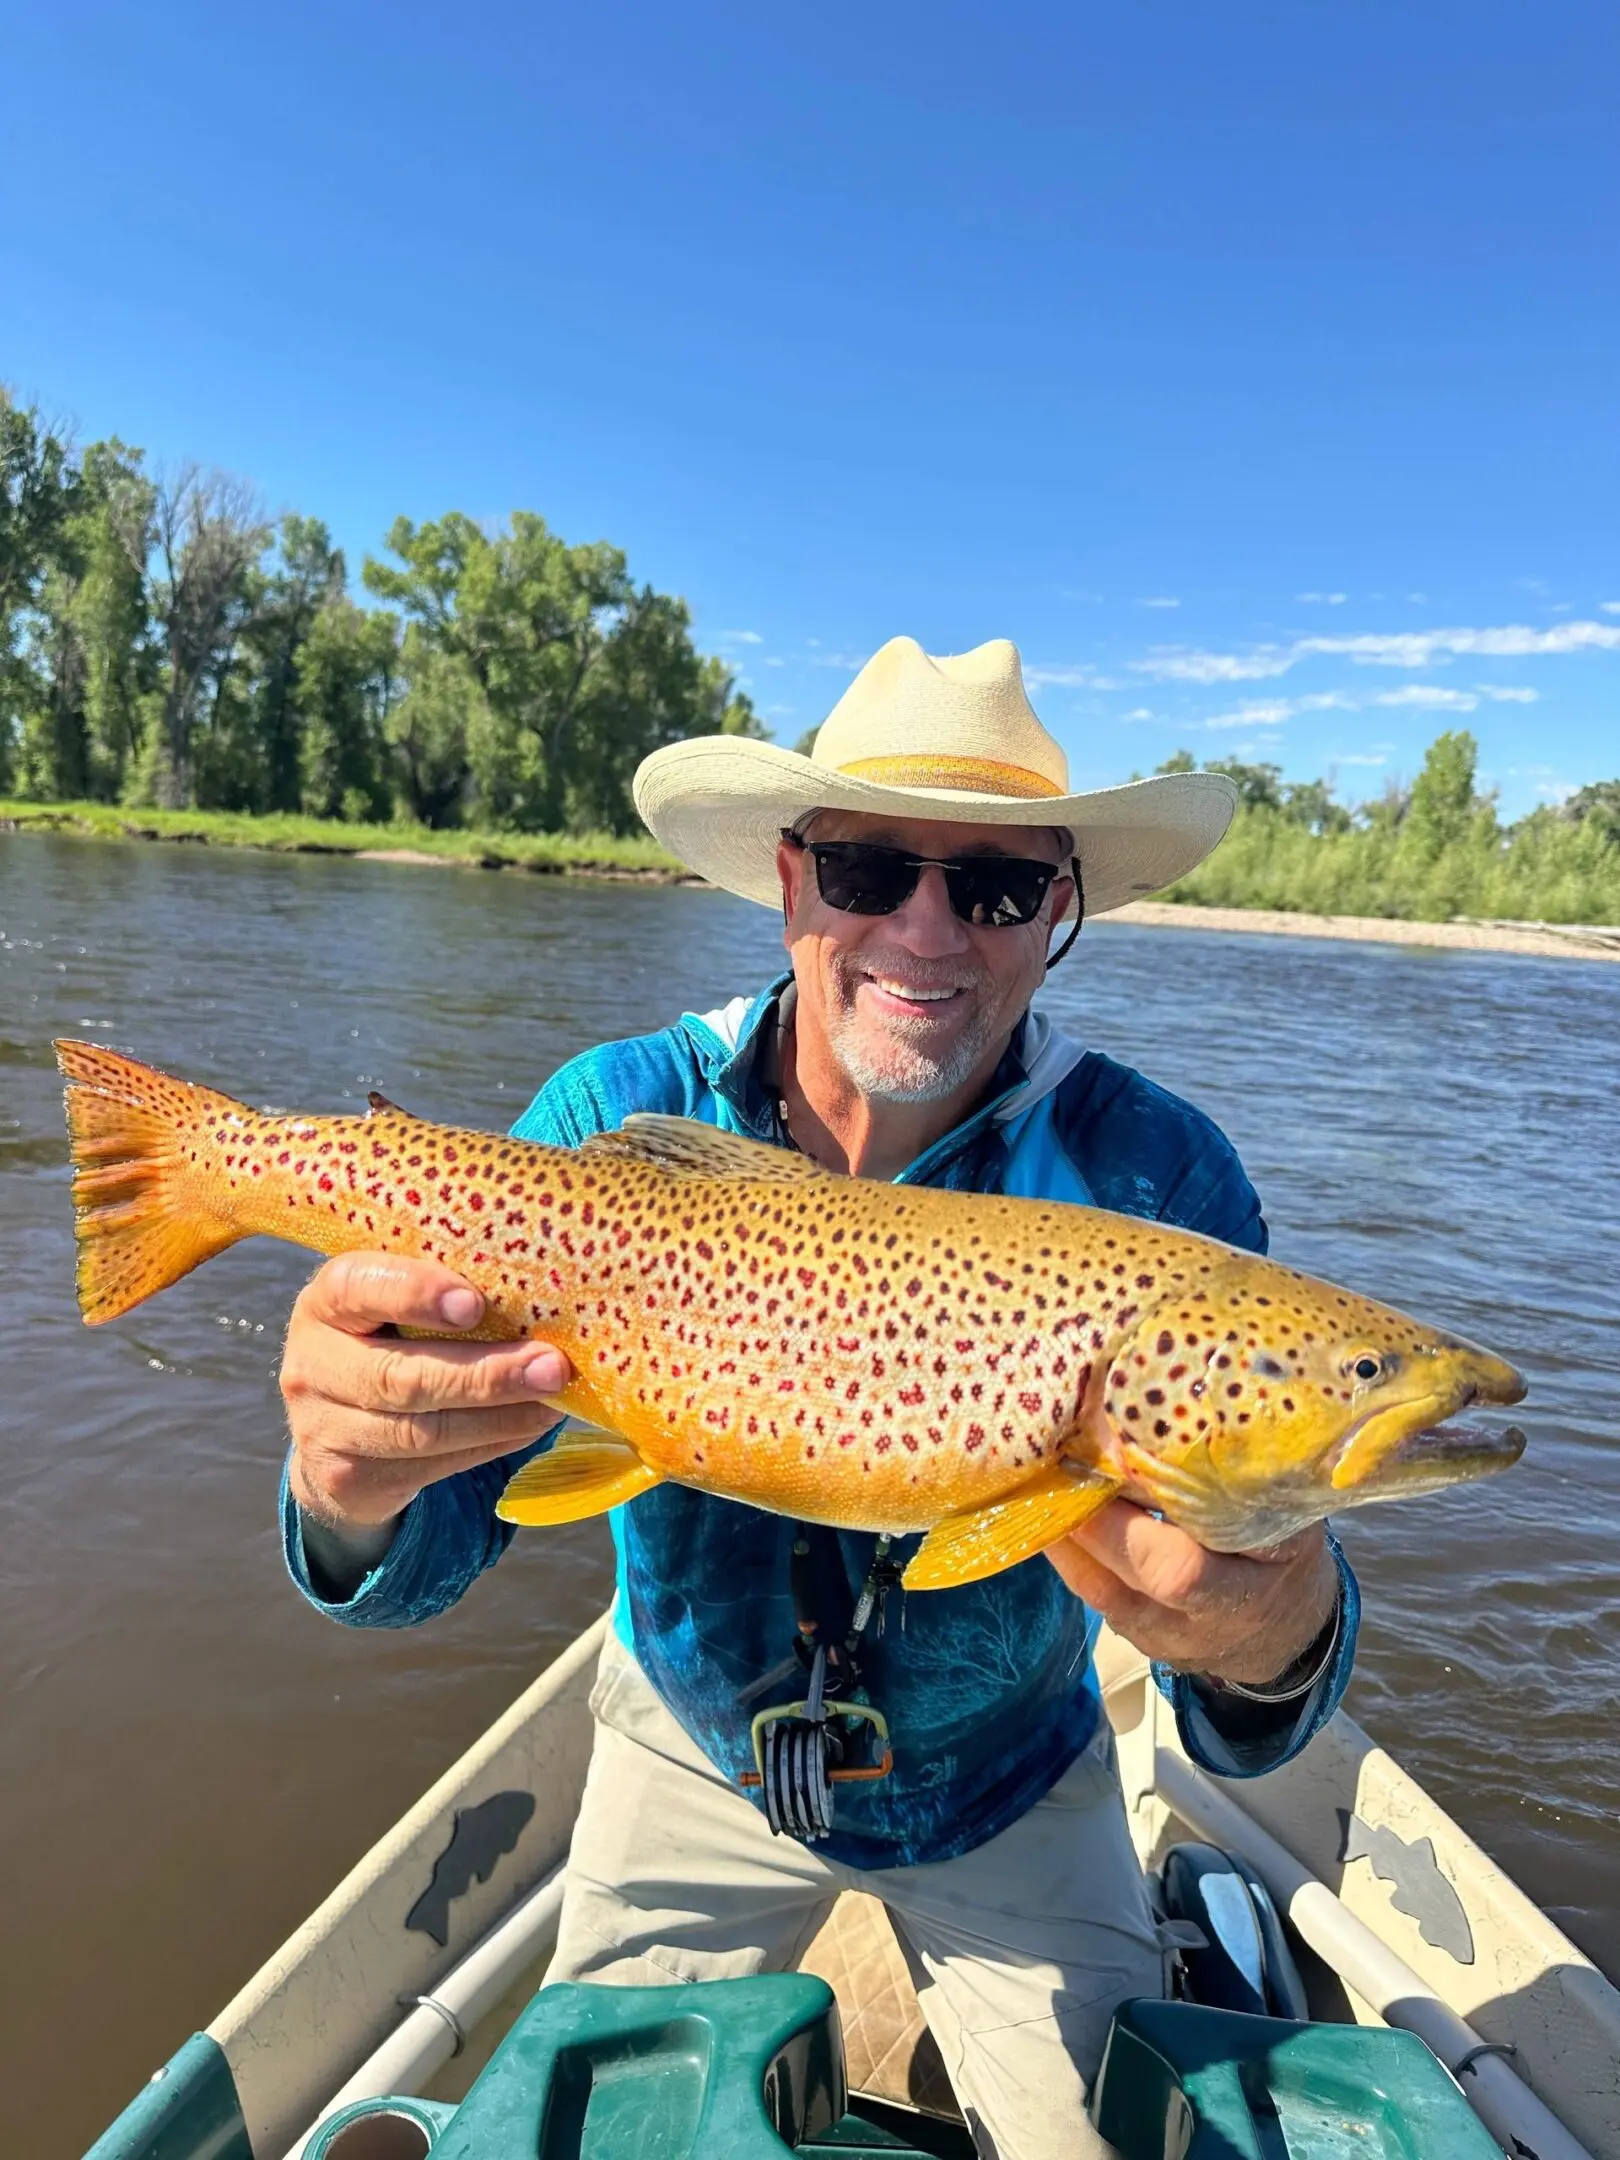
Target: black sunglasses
x,y
996,891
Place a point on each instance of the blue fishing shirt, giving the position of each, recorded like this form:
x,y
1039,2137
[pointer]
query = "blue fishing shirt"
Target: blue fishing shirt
x,y
989,1689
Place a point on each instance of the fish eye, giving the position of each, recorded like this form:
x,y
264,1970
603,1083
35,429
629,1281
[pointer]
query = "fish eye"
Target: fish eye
x,y
1367,1367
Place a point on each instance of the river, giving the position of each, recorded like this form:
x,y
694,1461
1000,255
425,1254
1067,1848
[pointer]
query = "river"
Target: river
x,y
190,1757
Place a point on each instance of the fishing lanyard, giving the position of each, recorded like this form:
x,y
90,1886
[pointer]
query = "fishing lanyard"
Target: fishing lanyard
x,y
803,1749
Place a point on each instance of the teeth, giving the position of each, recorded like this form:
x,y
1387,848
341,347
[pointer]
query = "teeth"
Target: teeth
x,y
904,990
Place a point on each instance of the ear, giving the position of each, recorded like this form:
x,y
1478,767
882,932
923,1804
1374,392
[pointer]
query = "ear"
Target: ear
x,y
1064,890
791,865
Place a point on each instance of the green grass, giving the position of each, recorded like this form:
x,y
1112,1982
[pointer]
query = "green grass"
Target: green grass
x,y
599,853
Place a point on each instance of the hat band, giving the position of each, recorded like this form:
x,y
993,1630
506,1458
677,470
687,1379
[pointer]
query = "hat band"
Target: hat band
x,y
970,775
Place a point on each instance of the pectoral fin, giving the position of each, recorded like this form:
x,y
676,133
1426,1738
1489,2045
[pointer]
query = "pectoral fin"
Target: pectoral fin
x,y
965,1548
583,1475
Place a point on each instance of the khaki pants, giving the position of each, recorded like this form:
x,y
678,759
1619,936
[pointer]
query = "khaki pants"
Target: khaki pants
x,y
1019,1950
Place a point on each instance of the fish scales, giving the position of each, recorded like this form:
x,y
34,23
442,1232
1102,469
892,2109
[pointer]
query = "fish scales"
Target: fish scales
x,y
837,1349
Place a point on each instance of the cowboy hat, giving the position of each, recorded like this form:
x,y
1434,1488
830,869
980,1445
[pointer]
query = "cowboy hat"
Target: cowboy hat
x,y
919,737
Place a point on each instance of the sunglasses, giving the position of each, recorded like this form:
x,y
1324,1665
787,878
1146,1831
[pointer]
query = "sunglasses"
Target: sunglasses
x,y
994,891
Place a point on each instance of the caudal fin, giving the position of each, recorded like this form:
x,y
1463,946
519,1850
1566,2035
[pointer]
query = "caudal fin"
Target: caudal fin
x,y
140,1144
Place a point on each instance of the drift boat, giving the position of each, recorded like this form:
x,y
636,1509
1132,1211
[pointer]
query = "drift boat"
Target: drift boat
x,y
1442,2014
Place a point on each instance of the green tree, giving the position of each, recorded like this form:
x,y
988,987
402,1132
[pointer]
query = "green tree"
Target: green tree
x,y
112,538
1597,805
1310,803
208,537
36,496
348,684
308,576
1259,786
1443,809
92,666
565,674
428,731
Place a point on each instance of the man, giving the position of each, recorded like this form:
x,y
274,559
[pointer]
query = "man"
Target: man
x,y
923,857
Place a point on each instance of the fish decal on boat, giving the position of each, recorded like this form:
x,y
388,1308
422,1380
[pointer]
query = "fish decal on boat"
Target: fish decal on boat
x,y
986,1370
480,1837
1419,1889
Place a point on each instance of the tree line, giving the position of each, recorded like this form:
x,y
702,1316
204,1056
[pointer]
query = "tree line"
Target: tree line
x,y
1428,850
163,642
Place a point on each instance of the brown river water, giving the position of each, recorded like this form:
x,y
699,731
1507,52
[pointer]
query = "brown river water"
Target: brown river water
x,y
190,1757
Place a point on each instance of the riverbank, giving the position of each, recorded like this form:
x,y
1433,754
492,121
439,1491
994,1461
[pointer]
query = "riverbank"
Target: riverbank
x,y
1547,941
639,858
609,855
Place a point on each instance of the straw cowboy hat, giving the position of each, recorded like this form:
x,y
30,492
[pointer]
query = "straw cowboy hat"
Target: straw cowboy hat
x,y
918,737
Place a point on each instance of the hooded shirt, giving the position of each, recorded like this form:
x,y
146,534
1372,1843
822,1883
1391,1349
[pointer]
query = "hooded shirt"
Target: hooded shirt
x,y
989,1688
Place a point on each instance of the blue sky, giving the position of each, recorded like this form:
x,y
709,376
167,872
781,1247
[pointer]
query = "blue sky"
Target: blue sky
x,y
1255,367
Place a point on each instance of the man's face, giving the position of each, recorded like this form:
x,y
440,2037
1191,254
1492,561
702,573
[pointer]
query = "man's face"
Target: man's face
x,y
913,1002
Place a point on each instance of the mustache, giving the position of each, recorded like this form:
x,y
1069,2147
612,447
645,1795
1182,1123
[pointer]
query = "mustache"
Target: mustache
x,y
910,972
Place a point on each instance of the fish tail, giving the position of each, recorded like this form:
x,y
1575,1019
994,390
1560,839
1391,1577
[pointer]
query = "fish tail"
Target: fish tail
x,y
1357,1838
140,1213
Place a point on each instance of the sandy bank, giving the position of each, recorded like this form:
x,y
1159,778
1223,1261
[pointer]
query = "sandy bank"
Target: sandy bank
x,y
1546,941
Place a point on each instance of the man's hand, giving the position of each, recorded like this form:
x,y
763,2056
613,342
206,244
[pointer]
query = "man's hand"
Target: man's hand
x,y
1234,1616
375,1419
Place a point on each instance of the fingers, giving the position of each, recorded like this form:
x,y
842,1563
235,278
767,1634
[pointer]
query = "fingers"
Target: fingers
x,y
1098,1586
362,1291
390,1377
1240,1614
343,1490
1161,1562
375,1418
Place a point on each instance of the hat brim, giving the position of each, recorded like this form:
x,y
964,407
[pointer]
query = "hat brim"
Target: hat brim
x,y
719,804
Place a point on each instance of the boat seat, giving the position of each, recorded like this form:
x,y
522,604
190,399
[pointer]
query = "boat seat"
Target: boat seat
x,y
1223,2085
711,2070
889,2053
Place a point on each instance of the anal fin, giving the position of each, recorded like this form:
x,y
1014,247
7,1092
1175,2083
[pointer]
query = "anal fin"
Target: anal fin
x,y
966,1548
585,1474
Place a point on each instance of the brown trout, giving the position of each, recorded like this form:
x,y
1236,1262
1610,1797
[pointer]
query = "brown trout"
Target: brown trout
x,y
839,1350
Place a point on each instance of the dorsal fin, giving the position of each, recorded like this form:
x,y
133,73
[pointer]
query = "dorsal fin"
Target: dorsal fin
x,y
380,1103
685,1147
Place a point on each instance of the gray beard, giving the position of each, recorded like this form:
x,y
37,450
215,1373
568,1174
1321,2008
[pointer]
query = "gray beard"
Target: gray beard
x,y
908,1074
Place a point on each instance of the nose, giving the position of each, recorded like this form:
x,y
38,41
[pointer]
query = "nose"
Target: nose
x,y
927,923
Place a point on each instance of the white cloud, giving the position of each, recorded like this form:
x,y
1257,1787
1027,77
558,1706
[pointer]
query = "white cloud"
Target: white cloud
x,y
740,637
1429,697
1610,607
1508,693
1164,601
1272,712
774,660
1079,677
1401,648
1258,712
1324,599
1359,757
1140,712
1418,599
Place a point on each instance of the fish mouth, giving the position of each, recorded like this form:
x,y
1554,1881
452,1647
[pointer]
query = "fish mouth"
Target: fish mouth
x,y
1411,1448
1466,1450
